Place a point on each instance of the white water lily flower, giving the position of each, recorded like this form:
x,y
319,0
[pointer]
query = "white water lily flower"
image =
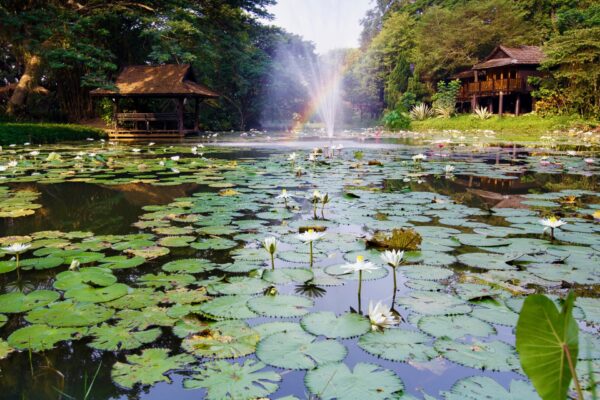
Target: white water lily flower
x,y
552,223
360,265
292,157
419,157
136,150
317,196
3,168
175,158
310,236
392,257
270,244
74,265
589,160
13,163
34,153
381,316
16,248
194,150
284,195
449,169
572,153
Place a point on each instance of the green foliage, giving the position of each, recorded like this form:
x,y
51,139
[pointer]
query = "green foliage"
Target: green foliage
x,y
548,345
444,100
396,120
19,133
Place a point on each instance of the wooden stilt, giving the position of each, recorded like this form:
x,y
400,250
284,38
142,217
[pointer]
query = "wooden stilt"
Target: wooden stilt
x,y
501,103
518,105
180,114
196,115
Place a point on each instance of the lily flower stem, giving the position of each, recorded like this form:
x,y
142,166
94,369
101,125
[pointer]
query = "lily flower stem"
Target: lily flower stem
x,y
551,233
273,261
323,211
395,283
311,254
315,211
359,290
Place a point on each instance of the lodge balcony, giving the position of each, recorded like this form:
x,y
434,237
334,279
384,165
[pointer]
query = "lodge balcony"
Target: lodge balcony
x,y
492,87
129,125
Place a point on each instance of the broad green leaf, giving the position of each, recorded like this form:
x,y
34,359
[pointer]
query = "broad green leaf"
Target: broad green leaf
x,y
494,355
280,305
483,387
41,337
19,302
398,345
225,339
69,314
120,337
325,323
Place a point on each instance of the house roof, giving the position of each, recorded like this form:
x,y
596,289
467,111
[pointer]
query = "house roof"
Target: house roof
x,y
503,55
157,81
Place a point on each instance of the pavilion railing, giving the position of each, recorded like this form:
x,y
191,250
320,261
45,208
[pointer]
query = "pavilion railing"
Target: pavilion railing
x,y
491,87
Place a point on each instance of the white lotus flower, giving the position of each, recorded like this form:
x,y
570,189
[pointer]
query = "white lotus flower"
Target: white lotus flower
x,y
3,168
310,236
392,257
572,153
34,153
284,195
312,157
151,144
419,157
317,196
16,248
270,244
589,160
360,265
381,316
136,150
26,144
12,163
449,169
194,150
292,157
175,158
552,222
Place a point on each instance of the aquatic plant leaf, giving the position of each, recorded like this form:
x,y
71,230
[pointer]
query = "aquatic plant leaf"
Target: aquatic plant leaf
x,y
398,345
91,275
148,368
90,294
18,302
122,262
224,380
455,326
426,272
591,309
298,350
149,253
227,307
189,266
496,314
7,266
543,336
70,314
483,387
485,261
135,299
184,296
214,243
366,381
283,276
120,337
224,339
238,285
269,328
494,355
280,305
41,337
3,320
475,291
176,241
326,323
339,272
433,303
5,349
145,317
167,281
40,263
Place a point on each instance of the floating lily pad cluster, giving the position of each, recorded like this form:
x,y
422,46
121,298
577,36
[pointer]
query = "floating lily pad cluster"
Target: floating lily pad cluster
x,y
193,272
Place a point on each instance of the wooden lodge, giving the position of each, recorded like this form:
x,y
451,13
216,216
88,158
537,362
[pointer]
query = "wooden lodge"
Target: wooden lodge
x,y
499,82
151,101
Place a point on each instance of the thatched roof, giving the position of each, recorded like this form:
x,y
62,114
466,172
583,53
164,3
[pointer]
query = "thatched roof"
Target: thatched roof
x,y
157,81
503,55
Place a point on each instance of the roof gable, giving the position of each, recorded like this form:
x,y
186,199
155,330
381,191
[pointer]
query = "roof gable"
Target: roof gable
x,y
503,55
157,80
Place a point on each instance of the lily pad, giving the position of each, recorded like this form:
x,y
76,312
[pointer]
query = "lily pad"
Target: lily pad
x,y
483,387
225,339
19,302
455,326
70,314
41,337
120,337
325,323
280,305
228,307
434,303
398,345
283,276
90,294
494,355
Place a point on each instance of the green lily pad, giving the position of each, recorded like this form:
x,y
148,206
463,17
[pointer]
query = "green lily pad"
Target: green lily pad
x,y
325,323
189,266
145,317
91,275
215,243
238,285
270,328
398,345
119,337
41,337
483,387
366,381
90,294
225,339
283,276
19,302
223,380
455,326
298,350
280,305
122,262
148,368
227,307
494,355
41,263
433,303
168,281
70,314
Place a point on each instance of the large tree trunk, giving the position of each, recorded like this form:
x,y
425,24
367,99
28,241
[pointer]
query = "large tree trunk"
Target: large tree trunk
x,y
74,100
26,85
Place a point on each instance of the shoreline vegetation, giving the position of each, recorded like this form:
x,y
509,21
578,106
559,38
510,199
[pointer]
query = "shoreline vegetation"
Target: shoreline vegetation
x,y
45,133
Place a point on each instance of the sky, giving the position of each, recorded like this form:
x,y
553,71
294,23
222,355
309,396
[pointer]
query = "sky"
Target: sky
x,y
330,24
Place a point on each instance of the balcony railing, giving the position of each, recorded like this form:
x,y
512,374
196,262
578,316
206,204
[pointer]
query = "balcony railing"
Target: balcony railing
x,y
491,87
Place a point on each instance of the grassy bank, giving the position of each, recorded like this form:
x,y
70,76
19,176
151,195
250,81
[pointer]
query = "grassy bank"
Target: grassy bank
x,y
19,133
525,128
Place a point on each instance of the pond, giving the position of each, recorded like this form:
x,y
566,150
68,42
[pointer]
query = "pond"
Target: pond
x,y
144,274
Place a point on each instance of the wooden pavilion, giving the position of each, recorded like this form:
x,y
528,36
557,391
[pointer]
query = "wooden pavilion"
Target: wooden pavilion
x,y
499,82
138,85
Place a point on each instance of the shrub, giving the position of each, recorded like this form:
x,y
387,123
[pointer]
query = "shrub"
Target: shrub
x,y
482,113
396,120
444,101
421,112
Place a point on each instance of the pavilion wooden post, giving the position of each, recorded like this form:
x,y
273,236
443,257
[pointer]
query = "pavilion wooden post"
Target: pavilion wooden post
x,y
196,115
180,114
518,105
500,103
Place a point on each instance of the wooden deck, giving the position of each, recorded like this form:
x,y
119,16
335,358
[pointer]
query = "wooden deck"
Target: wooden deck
x,y
136,126
492,87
